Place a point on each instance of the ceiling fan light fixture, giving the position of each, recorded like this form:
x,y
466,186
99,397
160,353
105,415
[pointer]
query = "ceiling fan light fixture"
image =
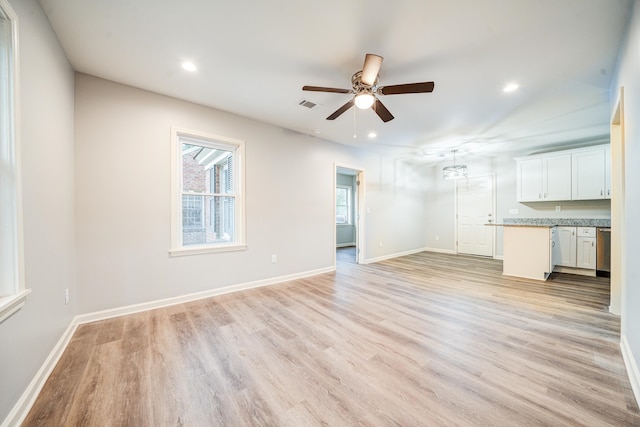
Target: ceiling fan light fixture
x,y
364,100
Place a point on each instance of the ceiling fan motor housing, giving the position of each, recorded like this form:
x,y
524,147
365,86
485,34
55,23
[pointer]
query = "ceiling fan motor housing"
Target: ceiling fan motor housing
x,y
359,87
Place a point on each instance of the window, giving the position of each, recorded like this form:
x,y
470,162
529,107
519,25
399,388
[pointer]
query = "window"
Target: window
x,y
192,213
343,205
12,292
207,193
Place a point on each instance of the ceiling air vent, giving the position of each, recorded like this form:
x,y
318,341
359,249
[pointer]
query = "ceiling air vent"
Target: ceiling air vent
x,y
308,104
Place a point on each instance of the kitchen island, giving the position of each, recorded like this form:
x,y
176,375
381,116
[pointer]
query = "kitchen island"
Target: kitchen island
x,y
530,244
528,251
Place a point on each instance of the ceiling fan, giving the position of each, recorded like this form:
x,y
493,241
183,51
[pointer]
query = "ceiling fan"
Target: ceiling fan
x,y
365,88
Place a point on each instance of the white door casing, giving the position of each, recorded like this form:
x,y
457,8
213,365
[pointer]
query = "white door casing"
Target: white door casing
x,y
359,202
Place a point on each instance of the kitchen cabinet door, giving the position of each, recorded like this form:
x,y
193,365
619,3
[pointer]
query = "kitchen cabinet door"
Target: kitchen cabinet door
x,y
529,180
566,247
588,175
553,257
586,253
556,178
607,173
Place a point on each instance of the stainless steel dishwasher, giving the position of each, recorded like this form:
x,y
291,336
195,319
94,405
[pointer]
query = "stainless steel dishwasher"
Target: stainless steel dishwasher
x,y
603,252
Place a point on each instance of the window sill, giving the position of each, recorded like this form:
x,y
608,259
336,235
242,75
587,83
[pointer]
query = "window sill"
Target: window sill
x,y
206,250
9,305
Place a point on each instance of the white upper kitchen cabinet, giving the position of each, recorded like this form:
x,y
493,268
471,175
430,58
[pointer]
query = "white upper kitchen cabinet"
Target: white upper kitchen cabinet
x,y
556,177
529,180
576,174
544,178
589,174
607,173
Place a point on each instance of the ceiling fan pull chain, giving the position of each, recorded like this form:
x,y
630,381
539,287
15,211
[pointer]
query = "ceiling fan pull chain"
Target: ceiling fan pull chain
x,y
354,124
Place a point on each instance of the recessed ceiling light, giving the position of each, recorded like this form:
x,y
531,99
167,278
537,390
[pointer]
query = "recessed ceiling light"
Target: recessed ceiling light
x,y
189,66
372,134
511,87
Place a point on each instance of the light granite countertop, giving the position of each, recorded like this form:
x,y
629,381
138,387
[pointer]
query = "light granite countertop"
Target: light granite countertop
x,y
555,222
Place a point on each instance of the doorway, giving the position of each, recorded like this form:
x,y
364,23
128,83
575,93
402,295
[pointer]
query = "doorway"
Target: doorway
x,y
349,197
475,209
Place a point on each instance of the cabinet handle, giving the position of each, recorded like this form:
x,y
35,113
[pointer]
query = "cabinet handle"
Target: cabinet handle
x,y
544,195
601,193
608,192
539,196
592,244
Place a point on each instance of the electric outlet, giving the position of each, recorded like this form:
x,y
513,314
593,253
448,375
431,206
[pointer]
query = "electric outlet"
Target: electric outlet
x,y
274,259
380,244
513,211
66,296
558,208
437,237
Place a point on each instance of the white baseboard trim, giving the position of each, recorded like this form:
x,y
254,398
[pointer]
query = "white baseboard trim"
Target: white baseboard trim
x,y
26,401
499,257
395,255
23,406
632,367
440,251
137,308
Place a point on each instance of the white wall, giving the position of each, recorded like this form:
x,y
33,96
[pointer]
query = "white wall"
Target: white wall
x,y
395,207
122,199
627,76
46,82
441,201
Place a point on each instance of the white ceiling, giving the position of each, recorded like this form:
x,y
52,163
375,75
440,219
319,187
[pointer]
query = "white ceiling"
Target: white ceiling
x,y
253,58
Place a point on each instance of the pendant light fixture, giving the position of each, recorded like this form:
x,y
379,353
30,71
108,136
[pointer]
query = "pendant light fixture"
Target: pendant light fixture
x,y
454,171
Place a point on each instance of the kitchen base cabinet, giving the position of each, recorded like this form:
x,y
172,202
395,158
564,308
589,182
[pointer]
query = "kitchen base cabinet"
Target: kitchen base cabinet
x,y
528,251
586,252
576,250
565,253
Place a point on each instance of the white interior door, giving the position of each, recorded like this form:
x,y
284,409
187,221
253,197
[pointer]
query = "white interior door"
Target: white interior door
x,y
474,210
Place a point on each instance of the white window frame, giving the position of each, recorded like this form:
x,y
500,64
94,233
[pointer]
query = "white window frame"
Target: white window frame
x,y
349,204
13,293
213,141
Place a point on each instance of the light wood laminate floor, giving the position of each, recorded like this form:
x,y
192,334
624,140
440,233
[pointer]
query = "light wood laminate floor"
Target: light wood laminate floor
x,y
423,340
